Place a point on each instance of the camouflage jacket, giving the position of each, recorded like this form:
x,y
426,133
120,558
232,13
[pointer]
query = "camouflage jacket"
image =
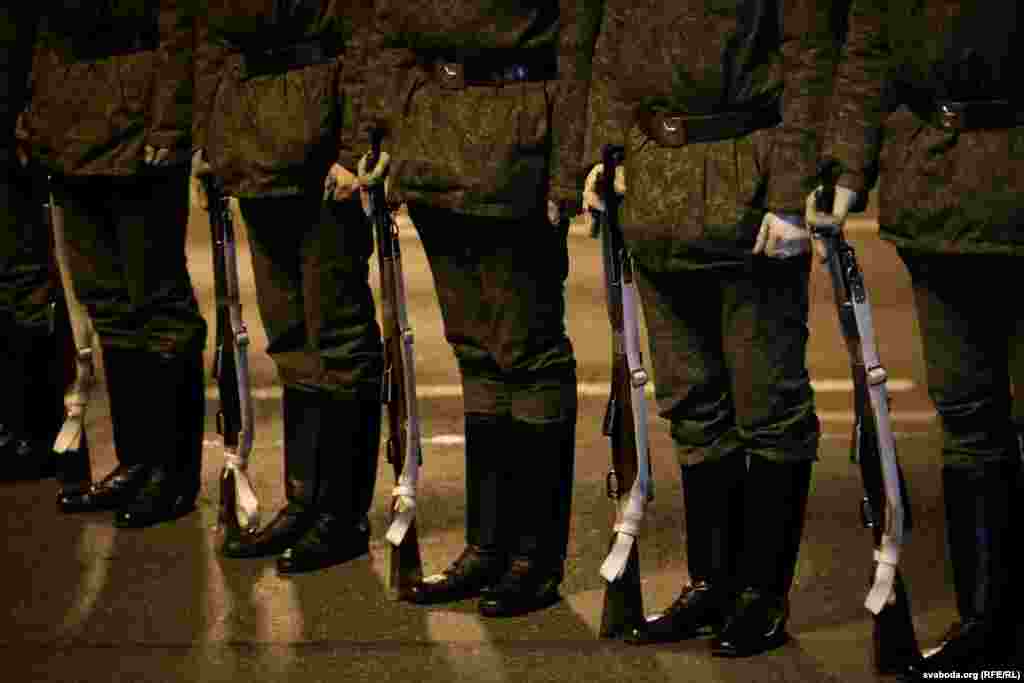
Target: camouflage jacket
x,y
495,147
18,22
109,78
941,190
276,131
702,203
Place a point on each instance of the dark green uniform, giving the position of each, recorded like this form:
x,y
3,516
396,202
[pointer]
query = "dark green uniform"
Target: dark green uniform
x,y
484,103
31,360
938,82
108,80
279,84
718,105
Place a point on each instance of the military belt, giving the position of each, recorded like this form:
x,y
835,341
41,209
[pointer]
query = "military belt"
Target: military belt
x,y
97,46
954,115
676,130
495,67
281,58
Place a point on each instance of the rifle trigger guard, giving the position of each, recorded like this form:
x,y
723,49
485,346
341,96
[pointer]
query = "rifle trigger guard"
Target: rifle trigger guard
x,y
611,485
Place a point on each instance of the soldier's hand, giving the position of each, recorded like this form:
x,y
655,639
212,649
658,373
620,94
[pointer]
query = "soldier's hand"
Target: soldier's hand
x,y
340,183
196,191
782,236
368,177
592,200
815,217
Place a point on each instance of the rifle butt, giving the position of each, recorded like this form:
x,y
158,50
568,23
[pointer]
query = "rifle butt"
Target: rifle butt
x,y
405,567
228,528
894,644
623,608
74,471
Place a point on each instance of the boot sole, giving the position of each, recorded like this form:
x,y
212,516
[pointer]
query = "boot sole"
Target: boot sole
x,y
291,568
496,611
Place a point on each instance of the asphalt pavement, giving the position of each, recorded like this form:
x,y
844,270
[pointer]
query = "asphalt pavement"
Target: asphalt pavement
x,y
82,601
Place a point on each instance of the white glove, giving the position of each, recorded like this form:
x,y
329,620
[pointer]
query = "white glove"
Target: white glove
x,y
367,178
340,183
844,199
591,195
782,236
196,192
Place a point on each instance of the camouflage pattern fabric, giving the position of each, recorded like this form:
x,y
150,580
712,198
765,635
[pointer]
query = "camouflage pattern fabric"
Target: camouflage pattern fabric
x,y
488,149
941,190
276,133
109,79
701,204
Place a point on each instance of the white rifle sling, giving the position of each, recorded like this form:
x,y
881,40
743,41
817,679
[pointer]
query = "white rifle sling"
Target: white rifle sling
x,y
631,510
76,398
888,555
247,508
404,492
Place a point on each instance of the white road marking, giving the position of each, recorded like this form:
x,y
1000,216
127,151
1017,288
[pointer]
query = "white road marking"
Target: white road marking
x,y
895,385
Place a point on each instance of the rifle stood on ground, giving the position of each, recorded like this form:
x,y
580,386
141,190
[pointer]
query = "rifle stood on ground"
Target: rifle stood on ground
x,y
73,468
885,507
625,420
405,567
239,511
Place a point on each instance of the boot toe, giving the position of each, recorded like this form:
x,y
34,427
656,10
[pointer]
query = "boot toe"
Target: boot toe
x,y
759,625
326,544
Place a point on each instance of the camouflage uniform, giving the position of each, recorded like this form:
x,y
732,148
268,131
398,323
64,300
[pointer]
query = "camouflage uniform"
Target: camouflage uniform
x,y
278,87
728,330
108,81
33,357
484,103
952,201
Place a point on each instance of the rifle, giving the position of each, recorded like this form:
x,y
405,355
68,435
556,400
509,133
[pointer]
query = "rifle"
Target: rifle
x,y
398,393
625,421
73,467
885,507
239,511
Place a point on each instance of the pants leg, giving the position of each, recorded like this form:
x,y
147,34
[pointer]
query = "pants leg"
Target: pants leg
x,y
314,294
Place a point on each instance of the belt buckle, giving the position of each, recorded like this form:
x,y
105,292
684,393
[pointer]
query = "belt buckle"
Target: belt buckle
x,y
452,75
670,129
950,116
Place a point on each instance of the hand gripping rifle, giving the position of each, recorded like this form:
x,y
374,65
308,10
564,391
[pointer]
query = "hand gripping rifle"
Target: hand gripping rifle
x,y
625,420
405,568
239,511
74,469
885,507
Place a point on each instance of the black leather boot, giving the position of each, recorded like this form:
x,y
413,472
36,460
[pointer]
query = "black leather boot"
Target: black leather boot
x,y
303,416
36,411
485,557
543,469
774,507
979,504
173,432
347,461
713,504
123,369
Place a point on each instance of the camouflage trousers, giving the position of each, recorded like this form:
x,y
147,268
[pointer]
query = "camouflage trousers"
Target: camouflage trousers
x,y
311,263
126,249
973,351
28,281
728,346
501,287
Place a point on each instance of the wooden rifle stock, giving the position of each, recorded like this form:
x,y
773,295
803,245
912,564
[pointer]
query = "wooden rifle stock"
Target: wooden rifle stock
x,y
622,610
405,566
894,644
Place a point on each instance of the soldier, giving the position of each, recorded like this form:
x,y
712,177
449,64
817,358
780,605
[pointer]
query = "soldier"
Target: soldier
x,y
942,77
278,91
109,117
716,105
34,360
485,111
